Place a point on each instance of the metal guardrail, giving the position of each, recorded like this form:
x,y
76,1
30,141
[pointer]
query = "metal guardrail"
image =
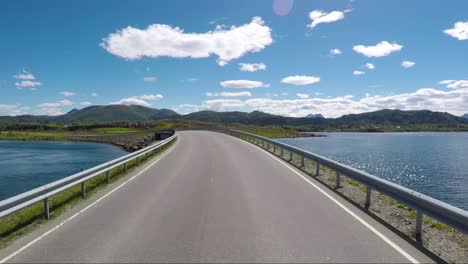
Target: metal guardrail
x,y
26,199
423,204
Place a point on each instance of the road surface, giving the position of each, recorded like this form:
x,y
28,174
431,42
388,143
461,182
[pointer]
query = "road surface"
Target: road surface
x,y
214,198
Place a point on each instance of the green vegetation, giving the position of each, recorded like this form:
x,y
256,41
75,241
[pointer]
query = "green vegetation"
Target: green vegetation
x,y
19,135
362,187
25,220
113,130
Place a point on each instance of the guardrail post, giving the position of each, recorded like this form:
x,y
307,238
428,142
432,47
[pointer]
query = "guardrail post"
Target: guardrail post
x,y
302,161
368,197
107,177
338,180
46,208
281,152
290,155
268,146
83,190
418,231
317,169
146,156
138,161
274,148
125,167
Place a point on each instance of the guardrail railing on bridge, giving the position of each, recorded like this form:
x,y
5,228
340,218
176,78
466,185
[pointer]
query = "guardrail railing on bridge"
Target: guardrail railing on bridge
x,y
43,193
423,204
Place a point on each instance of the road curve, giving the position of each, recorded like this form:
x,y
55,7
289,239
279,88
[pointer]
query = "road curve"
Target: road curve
x,y
214,198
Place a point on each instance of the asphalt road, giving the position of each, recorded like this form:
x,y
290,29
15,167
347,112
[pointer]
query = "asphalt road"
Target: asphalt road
x,y
214,198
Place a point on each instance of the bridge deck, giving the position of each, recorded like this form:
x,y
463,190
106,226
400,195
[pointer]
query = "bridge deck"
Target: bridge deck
x,y
214,198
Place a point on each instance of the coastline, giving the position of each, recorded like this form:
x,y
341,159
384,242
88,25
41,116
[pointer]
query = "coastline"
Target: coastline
x,y
126,142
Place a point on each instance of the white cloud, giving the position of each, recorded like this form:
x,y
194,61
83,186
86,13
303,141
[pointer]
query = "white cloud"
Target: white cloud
x,y
25,76
94,94
131,101
26,80
319,17
67,94
139,100
222,104
369,66
454,84
54,108
14,109
407,64
459,30
27,84
149,79
335,52
453,101
150,97
302,96
227,94
245,84
381,49
300,80
164,40
85,103
252,67
358,72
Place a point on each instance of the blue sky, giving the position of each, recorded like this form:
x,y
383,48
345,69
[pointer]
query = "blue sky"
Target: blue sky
x,y
283,57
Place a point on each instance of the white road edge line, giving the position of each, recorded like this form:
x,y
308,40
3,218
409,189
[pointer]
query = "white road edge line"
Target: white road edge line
x,y
346,209
86,208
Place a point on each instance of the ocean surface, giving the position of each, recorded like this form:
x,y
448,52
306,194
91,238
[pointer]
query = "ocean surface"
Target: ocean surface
x,y
433,163
25,165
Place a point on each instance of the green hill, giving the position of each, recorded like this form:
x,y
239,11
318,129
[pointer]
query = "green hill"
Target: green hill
x,y
399,117
112,113
109,113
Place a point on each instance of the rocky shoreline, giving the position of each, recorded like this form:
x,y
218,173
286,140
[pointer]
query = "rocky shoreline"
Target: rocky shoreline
x,y
129,143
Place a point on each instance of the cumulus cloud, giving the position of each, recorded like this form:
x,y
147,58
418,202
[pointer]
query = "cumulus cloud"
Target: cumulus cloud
x,y
358,72
407,64
300,80
459,30
131,101
164,40
27,84
94,94
243,84
302,96
335,52
319,17
252,67
453,101
381,49
67,94
85,103
25,76
149,79
26,80
227,94
54,108
14,109
150,97
139,100
454,84
369,66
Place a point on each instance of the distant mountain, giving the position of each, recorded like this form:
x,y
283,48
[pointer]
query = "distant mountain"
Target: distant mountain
x,y
400,117
110,113
464,116
315,116
106,113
